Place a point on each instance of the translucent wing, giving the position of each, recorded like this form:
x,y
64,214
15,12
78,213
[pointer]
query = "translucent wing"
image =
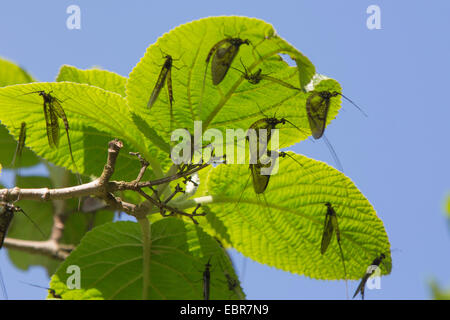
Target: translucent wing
x,y
327,233
317,110
260,181
225,52
52,125
160,82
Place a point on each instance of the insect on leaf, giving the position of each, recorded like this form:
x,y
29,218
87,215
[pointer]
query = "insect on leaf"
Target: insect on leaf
x,y
52,111
255,78
206,280
52,125
20,143
223,53
164,74
317,106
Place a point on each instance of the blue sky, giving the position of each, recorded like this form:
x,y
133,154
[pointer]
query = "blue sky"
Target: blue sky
x,y
398,156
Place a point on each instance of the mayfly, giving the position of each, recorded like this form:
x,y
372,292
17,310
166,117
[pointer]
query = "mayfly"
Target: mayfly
x,y
6,215
223,53
165,75
331,226
267,124
371,270
260,171
317,107
20,143
206,280
255,78
52,111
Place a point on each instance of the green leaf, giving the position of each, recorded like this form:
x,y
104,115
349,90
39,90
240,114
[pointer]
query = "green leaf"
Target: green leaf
x,y
8,146
10,73
438,293
283,227
22,228
111,263
75,227
106,80
95,117
234,103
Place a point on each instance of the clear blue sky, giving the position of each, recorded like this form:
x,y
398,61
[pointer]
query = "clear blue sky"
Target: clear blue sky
x,y
398,157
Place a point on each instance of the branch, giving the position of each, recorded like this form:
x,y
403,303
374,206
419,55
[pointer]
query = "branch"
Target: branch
x,y
49,248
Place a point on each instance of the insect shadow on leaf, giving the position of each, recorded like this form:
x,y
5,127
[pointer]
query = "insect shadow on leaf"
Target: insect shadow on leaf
x,y
20,143
370,270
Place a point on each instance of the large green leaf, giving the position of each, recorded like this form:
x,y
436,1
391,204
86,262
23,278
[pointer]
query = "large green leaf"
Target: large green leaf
x,y
284,226
8,147
95,117
22,228
111,263
234,103
106,80
75,227
10,73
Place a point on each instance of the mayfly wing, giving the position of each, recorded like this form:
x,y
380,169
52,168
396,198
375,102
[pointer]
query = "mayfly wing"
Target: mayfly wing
x,y
52,125
170,91
317,105
206,280
55,109
160,82
327,233
20,143
334,226
260,181
6,215
224,53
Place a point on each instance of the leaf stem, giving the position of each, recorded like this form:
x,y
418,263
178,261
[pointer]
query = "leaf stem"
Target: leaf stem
x,y
146,246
